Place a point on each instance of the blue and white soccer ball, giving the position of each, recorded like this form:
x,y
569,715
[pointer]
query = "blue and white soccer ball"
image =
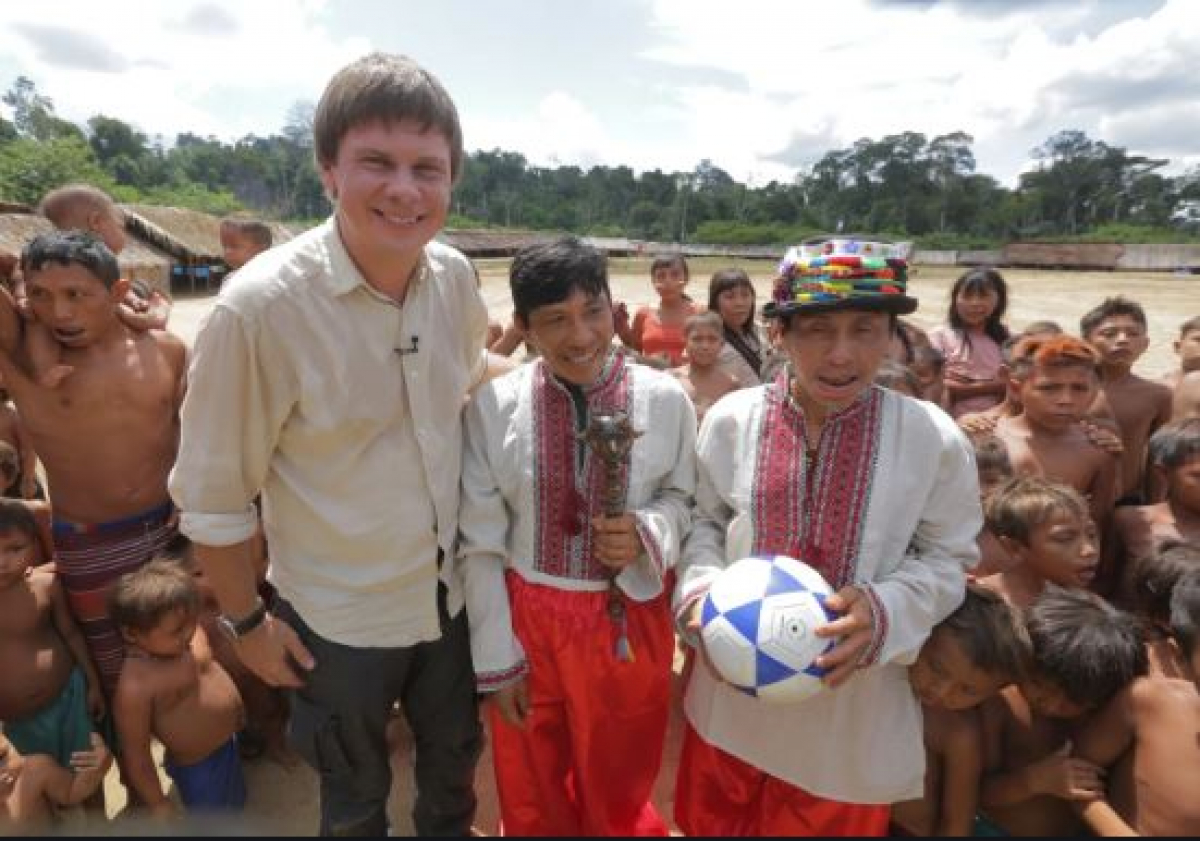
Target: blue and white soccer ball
x,y
757,622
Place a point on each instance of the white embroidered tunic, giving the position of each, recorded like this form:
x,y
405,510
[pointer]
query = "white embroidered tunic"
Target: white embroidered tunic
x,y
530,489
891,503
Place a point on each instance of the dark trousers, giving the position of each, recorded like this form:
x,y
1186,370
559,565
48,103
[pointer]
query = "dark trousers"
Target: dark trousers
x,y
339,718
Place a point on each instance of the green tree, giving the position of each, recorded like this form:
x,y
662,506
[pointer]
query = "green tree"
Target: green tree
x,y
29,168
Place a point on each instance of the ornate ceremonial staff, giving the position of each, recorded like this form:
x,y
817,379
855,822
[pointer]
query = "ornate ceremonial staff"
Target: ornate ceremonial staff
x,y
611,438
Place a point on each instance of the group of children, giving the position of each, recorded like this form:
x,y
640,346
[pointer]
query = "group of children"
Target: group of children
x,y
98,664
1061,694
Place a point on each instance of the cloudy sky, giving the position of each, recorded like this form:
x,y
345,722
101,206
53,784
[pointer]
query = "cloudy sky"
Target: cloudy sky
x,y
760,87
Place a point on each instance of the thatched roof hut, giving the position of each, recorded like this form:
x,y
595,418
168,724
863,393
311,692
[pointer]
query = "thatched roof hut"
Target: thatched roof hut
x,y
138,260
191,237
482,243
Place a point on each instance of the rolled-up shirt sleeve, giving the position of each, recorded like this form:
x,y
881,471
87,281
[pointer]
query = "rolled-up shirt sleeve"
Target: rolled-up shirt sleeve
x,y
239,395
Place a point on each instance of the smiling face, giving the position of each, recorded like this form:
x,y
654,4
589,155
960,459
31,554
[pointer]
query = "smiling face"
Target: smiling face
x,y
573,335
73,303
835,355
391,182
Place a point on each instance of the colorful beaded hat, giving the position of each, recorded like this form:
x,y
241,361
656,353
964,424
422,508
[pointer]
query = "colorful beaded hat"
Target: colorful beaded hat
x,y
837,273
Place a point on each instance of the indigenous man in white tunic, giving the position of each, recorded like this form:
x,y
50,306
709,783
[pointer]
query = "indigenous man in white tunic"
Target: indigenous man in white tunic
x,y
875,490
569,604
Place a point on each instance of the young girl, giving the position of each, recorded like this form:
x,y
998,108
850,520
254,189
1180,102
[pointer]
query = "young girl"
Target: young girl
x,y
657,332
731,296
971,341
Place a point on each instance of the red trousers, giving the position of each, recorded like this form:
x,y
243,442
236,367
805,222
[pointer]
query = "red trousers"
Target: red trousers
x,y
586,760
719,795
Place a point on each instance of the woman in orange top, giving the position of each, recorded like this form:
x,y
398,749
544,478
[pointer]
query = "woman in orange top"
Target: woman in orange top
x,y
657,332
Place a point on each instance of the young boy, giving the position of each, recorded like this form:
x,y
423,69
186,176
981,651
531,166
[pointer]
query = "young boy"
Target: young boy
x,y
1118,330
969,657
172,689
242,238
1154,580
50,694
929,367
1084,652
1046,531
995,469
1137,531
34,787
1156,717
568,598
107,436
1188,348
702,378
1056,380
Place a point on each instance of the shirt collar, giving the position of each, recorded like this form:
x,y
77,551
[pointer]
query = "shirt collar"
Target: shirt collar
x,y
343,276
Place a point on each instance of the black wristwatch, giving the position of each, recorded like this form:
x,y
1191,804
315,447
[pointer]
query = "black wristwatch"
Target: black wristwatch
x,y
238,628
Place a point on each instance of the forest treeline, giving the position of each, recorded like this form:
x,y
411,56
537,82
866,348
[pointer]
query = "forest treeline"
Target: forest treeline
x,y
906,185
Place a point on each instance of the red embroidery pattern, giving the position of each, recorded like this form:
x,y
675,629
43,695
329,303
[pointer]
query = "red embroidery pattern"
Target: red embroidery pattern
x,y
814,512
566,495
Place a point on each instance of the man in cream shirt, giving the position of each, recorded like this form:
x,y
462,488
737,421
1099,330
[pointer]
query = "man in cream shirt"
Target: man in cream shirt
x,y
330,377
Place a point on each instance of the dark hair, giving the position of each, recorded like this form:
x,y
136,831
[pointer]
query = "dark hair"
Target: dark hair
x,y
383,86
258,231
1189,326
140,599
16,516
1185,612
727,279
1175,443
1110,308
1023,503
547,273
1155,577
666,261
71,248
992,454
979,280
1083,645
990,632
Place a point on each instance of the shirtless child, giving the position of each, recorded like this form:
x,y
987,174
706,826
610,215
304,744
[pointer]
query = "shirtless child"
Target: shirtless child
x,y
703,380
1117,329
13,433
1084,652
1056,380
107,435
1156,717
1154,580
50,693
970,656
1188,348
33,788
173,689
243,237
1138,531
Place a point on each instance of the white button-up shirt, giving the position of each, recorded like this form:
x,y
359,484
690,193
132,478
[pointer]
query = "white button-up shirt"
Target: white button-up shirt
x,y
344,410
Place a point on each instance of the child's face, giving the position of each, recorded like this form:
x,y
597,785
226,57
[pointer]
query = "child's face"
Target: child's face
x,y
975,306
943,676
1057,396
237,248
1120,339
669,282
109,226
170,638
735,305
73,303
1048,700
1063,549
930,376
573,335
16,554
991,478
1183,485
1188,348
704,345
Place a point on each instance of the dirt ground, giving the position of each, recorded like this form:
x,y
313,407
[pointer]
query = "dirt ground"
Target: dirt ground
x,y
283,801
